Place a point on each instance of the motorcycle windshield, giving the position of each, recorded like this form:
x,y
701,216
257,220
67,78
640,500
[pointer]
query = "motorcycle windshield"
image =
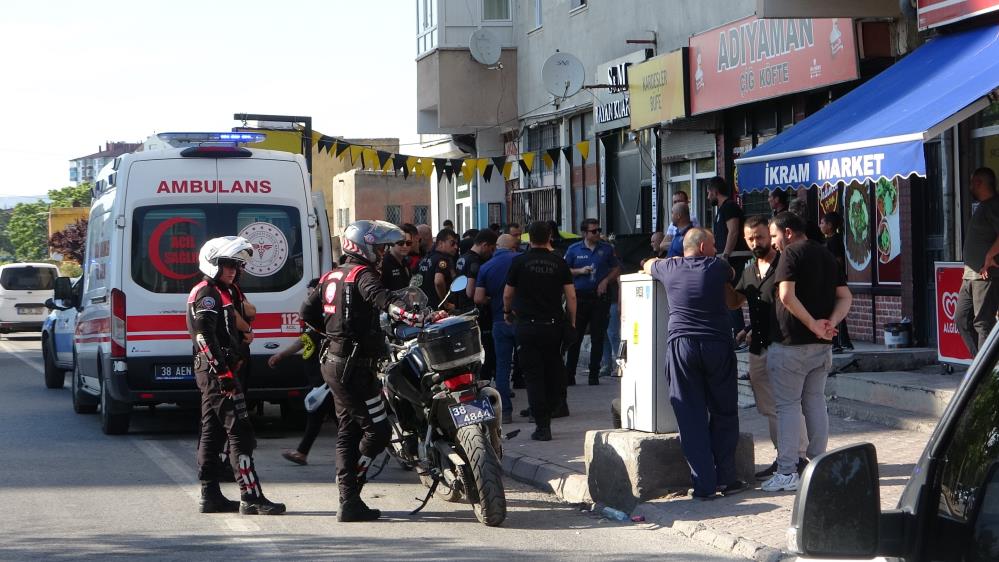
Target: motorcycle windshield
x,y
413,297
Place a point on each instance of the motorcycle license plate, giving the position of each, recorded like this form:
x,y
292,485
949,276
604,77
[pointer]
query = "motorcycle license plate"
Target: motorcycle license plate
x,y
468,413
173,372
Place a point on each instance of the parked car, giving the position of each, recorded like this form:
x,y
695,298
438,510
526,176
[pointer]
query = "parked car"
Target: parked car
x,y
949,509
57,330
23,290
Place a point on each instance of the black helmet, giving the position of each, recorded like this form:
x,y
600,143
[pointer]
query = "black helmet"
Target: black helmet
x,y
361,238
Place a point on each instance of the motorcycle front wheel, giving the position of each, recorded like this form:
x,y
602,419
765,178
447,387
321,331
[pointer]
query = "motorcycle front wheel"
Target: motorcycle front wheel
x,y
489,500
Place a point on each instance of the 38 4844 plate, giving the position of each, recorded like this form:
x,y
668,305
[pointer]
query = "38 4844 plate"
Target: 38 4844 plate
x,y
468,413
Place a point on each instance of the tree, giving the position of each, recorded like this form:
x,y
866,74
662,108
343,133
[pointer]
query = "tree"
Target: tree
x,y
28,231
71,241
6,248
70,196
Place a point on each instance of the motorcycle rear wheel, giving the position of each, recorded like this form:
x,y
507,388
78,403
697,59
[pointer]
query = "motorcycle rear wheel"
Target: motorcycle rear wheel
x,y
487,475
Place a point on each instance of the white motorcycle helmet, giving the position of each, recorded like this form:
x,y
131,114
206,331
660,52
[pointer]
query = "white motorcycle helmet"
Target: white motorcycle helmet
x,y
224,248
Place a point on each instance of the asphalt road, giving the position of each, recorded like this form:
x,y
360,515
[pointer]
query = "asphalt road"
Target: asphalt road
x,y
68,491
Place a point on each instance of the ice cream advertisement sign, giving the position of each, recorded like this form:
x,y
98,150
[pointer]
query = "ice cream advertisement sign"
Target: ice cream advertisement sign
x,y
754,59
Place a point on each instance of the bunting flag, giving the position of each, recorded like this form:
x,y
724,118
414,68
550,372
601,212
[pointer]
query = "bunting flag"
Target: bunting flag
x,y
553,155
428,167
469,168
324,144
483,163
548,161
370,159
401,161
507,170
389,165
439,164
487,172
499,161
339,148
456,164
584,149
355,154
567,152
383,158
527,162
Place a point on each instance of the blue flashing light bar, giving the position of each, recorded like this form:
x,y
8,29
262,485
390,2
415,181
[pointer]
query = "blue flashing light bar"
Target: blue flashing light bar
x,y
223,137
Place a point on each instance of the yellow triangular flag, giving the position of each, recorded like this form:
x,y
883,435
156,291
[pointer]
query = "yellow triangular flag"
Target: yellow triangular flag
x,y
370,159
507,170
389,164
428,166
411,164
528,158
584,149
355,153
483,162
547,160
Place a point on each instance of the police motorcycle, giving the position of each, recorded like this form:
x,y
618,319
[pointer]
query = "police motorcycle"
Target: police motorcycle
x,y
443,419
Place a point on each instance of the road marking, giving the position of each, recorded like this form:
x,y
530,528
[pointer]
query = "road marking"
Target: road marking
x,y
13,351
186,479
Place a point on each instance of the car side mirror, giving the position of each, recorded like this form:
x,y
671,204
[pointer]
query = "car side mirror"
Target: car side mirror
x,y
63,288
838,508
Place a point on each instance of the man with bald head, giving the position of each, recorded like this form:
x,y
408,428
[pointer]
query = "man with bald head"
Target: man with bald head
x,y
700,362
489,284
426,238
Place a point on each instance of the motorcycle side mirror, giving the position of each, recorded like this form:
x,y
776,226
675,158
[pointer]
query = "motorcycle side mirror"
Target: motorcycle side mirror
x,y
459,284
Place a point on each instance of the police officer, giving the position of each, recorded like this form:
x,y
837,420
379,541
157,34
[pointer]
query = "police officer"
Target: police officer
x,y
437,267
484,244
594,267
211,321
345,308
533,296
395,273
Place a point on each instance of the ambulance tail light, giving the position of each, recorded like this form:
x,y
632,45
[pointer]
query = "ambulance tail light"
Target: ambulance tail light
x,y
117,324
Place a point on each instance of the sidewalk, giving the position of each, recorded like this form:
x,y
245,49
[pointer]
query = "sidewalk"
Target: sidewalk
x,y
751,524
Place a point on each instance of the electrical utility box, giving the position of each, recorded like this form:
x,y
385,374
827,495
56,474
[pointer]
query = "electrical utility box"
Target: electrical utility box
x,y
645,402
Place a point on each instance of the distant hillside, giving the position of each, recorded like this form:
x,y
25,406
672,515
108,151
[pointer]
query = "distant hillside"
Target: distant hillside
x,y
8,201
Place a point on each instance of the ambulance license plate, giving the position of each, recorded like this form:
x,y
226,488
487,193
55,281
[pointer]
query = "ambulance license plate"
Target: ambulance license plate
x,y
173,372
35,310
468,413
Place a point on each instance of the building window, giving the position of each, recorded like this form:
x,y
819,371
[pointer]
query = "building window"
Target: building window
x,y
537,14
573,4
342,218
421,214
539,139
495,212
426,26
691,176
393,214
495,10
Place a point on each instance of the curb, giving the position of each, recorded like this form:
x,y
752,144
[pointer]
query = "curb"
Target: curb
x,y
571,487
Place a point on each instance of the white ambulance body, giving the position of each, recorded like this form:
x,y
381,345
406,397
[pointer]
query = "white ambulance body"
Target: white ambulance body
x,y
151,214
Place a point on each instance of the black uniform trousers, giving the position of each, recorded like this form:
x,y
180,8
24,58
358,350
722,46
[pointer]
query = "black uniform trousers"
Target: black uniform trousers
x,y
703,390
363,428
592,311
313,425
224,419
540,361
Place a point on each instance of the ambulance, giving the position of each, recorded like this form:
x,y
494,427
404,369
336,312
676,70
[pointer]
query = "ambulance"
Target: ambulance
x,y
151,213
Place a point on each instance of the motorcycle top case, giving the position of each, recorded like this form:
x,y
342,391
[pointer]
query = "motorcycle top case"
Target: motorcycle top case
x,y
451,343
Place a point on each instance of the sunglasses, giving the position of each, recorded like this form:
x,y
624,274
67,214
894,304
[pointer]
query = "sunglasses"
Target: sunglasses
x,y
404,243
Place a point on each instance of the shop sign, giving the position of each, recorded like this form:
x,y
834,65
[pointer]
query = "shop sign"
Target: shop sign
x,y
657,90
754,59
611,106
933,13
950,346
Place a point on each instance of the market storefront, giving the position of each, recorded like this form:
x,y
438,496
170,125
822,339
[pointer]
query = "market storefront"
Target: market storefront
x,y
892,156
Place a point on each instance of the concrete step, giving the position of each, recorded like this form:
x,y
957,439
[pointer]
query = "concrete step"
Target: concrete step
x,y
882,415
868,358
915,392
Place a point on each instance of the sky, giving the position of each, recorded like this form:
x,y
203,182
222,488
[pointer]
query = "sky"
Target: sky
x,y
74,75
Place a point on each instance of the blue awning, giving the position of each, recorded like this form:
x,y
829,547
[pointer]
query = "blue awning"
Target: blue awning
x,y
878,129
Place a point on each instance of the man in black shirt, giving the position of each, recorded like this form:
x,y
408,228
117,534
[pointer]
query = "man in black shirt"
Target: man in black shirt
x,y
535,285
812,300
756,288
395,273
727,229
437,267
468,265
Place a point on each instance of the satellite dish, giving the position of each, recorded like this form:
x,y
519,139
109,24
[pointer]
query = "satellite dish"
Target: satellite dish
x,y
562,75
484,47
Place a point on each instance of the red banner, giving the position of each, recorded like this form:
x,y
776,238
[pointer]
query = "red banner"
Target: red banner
x,y
950,346
933,13
755,59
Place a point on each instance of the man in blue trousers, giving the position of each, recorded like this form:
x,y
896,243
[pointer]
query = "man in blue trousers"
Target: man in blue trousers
x,y
700,362
489,284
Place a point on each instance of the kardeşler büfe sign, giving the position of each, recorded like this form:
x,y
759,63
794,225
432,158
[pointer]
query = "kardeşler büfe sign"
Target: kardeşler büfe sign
x,y
612,108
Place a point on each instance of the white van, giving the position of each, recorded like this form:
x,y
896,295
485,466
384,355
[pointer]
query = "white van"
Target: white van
x,y
151,213
24,288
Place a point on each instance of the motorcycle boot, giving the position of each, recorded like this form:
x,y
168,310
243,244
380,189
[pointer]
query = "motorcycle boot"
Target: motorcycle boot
x,y
354,510
251,497
212,500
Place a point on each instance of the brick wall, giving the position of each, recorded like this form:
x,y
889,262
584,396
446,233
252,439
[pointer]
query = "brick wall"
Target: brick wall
x,y
886,309
859,318
889,309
